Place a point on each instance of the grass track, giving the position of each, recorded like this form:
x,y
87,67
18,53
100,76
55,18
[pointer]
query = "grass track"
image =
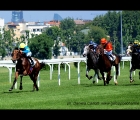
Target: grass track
x,y
70,94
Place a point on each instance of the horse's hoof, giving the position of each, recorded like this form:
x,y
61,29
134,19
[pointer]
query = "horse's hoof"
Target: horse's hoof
x,y
116,83
131,81
107,82
93,82
20,88
10,89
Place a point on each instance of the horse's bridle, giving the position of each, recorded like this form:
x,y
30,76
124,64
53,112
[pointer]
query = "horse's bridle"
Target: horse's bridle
x,y
18,52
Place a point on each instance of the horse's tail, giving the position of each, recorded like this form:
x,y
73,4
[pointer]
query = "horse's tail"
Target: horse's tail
x,y
42,64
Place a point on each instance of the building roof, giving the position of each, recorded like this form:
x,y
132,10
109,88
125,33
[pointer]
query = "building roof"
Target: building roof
x,y
79,22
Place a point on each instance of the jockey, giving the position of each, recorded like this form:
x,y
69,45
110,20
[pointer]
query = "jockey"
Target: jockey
x,y
26,50
108,48
93,44
136,46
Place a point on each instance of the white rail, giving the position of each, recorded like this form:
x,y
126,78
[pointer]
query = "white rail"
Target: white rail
x,y
9,64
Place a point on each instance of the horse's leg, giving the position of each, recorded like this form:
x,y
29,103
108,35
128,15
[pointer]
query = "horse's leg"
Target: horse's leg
x,y
98,75
102,73
108,77
20,87
94,76
87,71
34,79
117,73
15,80
131,70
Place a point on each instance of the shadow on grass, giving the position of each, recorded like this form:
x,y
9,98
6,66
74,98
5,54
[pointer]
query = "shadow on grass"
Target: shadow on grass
x,y
130,84
18,91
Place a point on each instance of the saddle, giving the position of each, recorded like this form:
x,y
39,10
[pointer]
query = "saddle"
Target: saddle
x,y
33,60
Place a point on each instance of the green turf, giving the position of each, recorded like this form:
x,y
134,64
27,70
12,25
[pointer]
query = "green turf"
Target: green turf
x,y
70,94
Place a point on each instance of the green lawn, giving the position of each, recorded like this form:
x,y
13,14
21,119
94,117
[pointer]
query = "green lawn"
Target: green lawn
x,y
70,94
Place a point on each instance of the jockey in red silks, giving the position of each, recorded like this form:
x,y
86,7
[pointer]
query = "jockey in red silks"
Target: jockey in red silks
x,y
107,45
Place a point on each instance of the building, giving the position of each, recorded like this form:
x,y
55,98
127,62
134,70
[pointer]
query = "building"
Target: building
x,y
53,23
79,22
17,17
16,29
1,25
57,17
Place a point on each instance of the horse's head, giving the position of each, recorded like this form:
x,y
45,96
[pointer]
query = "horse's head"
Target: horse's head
x,y
86,50
16,54
99,50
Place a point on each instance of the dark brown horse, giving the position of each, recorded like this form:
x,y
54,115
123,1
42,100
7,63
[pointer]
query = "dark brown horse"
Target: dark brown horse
x,y
135,62
105,65
23,68
91,62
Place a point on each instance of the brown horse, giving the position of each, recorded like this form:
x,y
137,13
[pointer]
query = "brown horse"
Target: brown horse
x,y
105,65
23,68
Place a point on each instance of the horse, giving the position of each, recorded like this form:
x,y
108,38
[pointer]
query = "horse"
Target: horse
x,y
23,68
105,64
135,62
91,62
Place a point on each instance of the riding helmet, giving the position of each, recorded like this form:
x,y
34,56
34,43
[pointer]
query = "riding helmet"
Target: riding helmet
x,y
22,45
90,42
136,41
103,40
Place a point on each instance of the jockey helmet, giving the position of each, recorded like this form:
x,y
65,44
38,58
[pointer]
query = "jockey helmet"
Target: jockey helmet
x,y
22,45
136,41
103,40
90,42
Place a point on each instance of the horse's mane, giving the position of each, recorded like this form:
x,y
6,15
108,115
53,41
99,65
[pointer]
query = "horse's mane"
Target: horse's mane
x,y
16,48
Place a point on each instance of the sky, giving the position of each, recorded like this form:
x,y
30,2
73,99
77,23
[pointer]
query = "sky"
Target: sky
x,y
48,15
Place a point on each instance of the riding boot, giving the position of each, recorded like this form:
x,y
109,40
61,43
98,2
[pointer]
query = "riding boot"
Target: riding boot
x,y
32,62
112,57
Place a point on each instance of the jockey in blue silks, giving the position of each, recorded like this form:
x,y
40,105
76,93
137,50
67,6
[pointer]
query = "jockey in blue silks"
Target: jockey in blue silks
x,y
26,50
94,44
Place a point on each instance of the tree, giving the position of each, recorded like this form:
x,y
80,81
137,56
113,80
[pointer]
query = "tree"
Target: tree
x,y
41,46
96,33
56,35
67,23
8,41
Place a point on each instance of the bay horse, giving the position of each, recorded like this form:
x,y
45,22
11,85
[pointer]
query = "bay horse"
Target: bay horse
x,y
105,65
135,62
23,68
91,62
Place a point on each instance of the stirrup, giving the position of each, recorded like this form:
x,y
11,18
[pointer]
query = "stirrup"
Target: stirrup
x,y
32,64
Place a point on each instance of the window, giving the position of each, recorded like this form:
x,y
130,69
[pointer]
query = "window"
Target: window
x,y
34,30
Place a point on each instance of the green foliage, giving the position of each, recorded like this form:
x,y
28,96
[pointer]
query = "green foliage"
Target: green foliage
x,y
96,33
41,46
67,23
